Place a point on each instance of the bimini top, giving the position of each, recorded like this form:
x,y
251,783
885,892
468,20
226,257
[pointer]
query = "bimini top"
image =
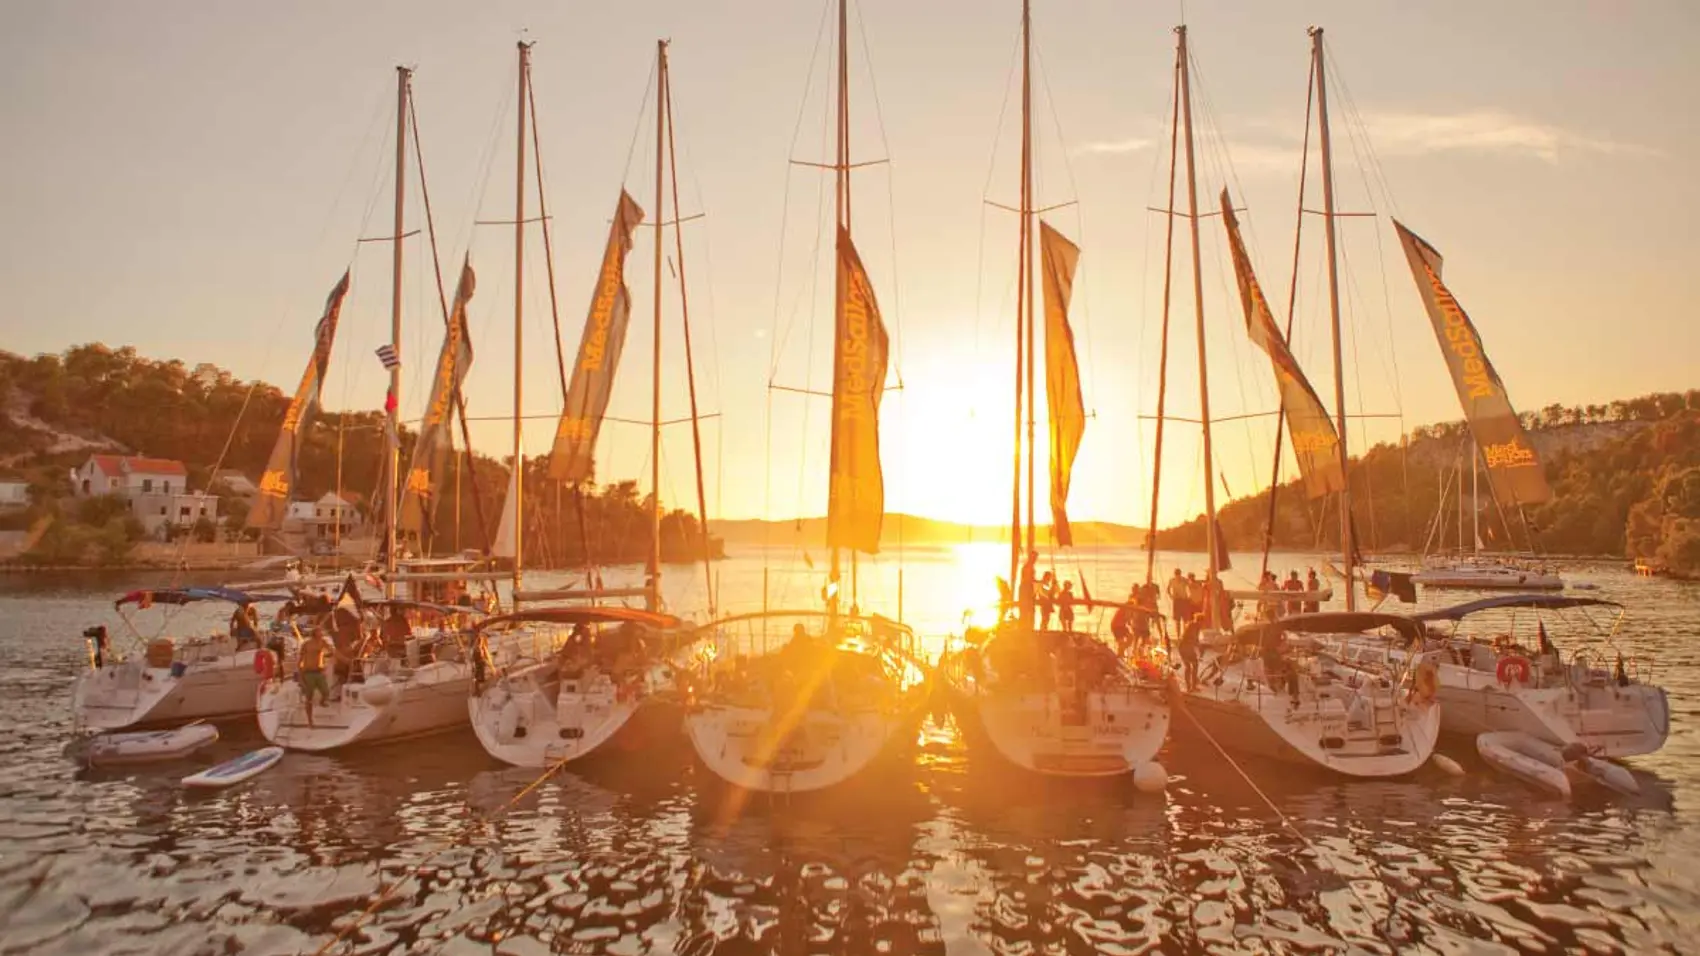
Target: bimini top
x,y
1539,602
580,615
191,595
426,606
1329,622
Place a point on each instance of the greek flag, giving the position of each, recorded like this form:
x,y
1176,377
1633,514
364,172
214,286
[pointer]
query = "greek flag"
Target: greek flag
x,y
386,355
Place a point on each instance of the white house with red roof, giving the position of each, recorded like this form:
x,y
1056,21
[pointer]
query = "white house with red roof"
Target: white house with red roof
x,y
129,475
157,489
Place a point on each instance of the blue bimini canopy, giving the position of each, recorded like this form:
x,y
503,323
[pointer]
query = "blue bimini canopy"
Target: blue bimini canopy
x,y
1539,602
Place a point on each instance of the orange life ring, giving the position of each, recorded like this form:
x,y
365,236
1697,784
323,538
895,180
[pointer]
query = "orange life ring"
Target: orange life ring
x,y
1513,670
264,664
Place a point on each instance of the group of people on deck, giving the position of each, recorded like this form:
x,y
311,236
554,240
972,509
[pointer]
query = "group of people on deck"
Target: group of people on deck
x,y
1271,608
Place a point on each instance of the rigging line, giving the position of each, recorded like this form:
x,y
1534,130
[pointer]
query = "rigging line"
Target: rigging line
x,y
376,122
713,350
637,125
442,300
774,340
487,159
890,199
690,363
1085,301
548,248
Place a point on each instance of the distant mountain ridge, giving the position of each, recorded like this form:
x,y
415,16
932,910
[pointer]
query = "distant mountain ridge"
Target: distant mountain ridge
x,y
912,529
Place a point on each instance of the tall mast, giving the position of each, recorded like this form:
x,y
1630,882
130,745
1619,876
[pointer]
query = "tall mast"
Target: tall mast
x,y
404,78
1348,547
841,220
1163,354
652,571
519,325
1027,242
1198,310
1024,337
690,363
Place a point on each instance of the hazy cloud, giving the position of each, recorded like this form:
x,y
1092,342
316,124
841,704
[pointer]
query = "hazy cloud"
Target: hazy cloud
x,y
1130,144
1485,131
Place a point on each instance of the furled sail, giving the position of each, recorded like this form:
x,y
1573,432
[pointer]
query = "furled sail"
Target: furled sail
x,y
1058,258
421,492
598,353
856,497
278,481
509,523
1513,468
1315,442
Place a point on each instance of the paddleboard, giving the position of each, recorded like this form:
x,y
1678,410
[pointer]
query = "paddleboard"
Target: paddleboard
x,y
235,771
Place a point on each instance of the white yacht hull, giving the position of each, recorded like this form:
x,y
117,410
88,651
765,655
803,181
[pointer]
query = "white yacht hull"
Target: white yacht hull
x,y
1612,720
754,749
130,694
532,718
426,700
1117,731
1390,738
1489,579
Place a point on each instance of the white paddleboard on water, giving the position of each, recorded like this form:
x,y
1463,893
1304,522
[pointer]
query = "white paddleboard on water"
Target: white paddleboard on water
x,y
235,771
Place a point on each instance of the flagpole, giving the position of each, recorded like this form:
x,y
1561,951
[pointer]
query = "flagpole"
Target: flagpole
x,y
392,403
1212,580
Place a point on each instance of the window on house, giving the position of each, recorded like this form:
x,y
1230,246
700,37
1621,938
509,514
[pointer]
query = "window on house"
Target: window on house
x,y
183,512
162,511
111,483
85,486
168,487
147,484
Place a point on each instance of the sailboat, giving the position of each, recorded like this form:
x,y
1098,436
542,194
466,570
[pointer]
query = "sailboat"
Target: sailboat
x,y
1468,567
201,677
1054,702
614,684
847,687
1262,689
406,665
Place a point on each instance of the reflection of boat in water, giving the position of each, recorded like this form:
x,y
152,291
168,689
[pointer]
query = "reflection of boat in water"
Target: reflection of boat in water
x,y
172,680
614,688
1059,703
1520,682
1268,694
813,713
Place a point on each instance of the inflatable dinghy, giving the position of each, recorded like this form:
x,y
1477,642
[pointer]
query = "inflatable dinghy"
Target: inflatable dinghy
x,y
154,746
1552,768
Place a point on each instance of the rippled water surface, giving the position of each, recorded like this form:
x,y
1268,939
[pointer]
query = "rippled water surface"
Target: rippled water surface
x,y
430,846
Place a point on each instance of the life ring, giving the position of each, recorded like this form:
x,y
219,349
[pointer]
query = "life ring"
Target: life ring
x,y
1513,670
1427,682
265,664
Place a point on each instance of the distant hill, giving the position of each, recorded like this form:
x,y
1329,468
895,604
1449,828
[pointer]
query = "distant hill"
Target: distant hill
x,y
1625,478
912,529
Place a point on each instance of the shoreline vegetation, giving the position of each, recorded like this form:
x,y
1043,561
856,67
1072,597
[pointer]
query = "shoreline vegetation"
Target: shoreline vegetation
x,y
1625,476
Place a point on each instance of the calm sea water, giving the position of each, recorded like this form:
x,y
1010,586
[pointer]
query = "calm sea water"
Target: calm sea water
x,y
430,846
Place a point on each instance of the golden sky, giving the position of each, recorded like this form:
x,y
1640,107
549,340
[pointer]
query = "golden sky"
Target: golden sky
x,y
191,178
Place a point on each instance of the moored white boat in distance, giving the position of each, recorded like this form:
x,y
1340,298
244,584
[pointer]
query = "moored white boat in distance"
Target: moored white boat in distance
x,y
416,685
1503,684
1487,574
1056,702
1312,712
171,681
814,712
612,689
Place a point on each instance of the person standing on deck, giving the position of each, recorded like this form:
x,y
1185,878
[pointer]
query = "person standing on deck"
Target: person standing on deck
x,y
1293,584
1065,606
1177,599
1313,586
1189,650
310,670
